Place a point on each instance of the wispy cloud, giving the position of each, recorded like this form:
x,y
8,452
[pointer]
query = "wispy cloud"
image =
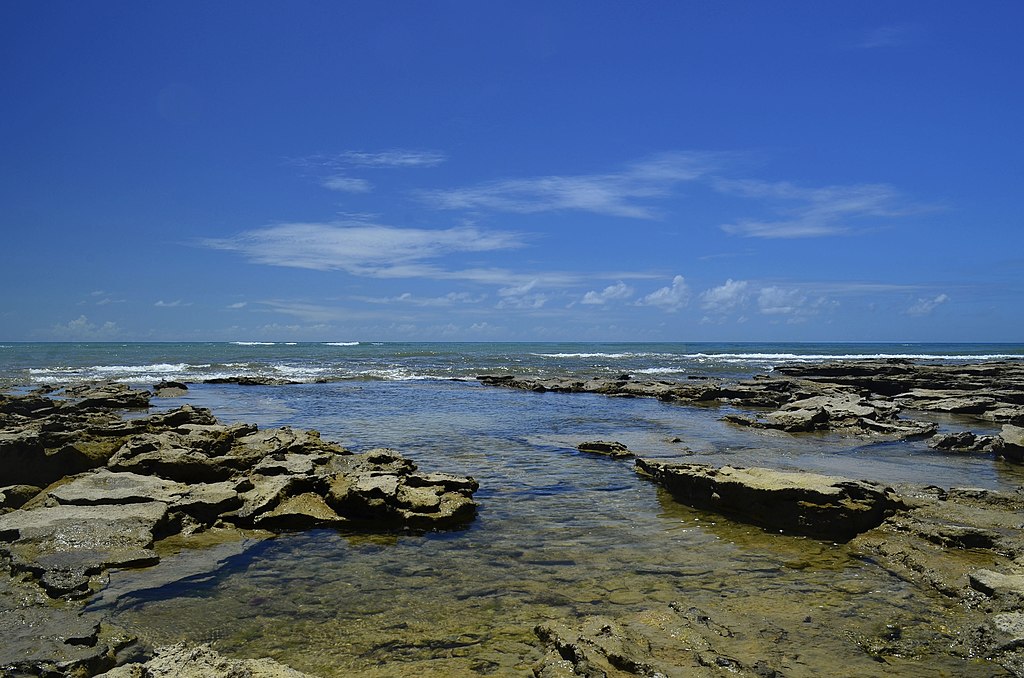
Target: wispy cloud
x,y
670,298
391,158
926,306
810,212
310,312
172,304
624,194
523,296
450,299
345,184
360,248
890,36
619,290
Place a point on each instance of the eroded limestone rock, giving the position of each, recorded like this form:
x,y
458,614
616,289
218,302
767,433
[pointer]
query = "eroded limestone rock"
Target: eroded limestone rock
x,y
827,507
201,661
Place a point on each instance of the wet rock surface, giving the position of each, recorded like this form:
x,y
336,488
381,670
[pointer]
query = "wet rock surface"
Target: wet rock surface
x,y
83,490
827,507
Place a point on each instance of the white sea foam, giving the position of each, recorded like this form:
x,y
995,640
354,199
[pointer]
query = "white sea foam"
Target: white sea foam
x,y
396,374
341,343
813,357
299,371
661,370
157,367
614,356
253,343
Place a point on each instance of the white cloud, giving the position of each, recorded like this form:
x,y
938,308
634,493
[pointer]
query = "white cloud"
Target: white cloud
x,y
780,301
619,290
450,299
792,302
526,301
522,296
81,329
726,296
926,306
393,158
171,304
360,248
239,304
339,182
670,298
811,212
619,194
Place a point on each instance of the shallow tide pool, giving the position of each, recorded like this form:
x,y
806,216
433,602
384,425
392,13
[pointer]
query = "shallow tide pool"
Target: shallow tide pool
x,y
559,535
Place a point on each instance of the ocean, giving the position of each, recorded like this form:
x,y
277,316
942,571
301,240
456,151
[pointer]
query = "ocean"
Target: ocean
x,y
559,534
55,363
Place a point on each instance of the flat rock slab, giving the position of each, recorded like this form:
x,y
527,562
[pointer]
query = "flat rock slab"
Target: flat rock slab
x,y
826,507
107,487
65,544
40,637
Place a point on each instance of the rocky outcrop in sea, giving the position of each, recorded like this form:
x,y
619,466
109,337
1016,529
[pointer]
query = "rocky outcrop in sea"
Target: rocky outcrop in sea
x,y
864,397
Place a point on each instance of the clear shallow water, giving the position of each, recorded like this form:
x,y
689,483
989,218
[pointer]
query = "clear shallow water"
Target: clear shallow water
x,y
559,535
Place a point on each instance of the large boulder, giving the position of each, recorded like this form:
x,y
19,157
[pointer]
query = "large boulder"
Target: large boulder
x,y
826,507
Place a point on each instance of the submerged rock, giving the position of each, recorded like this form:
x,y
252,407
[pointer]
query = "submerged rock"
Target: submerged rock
x,y
826,507
44,638
613,449
674,640
201,661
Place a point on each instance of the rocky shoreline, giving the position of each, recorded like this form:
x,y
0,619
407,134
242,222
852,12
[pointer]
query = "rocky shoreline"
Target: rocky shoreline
x,y
91,480
84,489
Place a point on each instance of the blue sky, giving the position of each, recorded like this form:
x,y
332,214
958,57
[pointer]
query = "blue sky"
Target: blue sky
x,y
681,171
